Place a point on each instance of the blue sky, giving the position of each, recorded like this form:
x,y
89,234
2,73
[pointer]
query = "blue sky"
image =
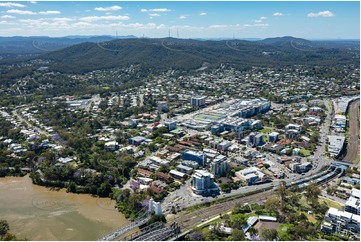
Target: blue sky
x,y
312,20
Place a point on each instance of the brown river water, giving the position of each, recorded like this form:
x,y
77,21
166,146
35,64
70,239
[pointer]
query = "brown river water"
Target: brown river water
x,y
39,213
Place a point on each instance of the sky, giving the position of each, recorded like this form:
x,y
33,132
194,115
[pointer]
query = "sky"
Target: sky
x,y
187,19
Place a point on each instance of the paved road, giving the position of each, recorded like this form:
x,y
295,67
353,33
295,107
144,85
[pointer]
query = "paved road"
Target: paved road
x,y
333,198
353,143
30,126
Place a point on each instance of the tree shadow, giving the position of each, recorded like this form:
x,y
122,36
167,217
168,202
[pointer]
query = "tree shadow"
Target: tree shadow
x,y
55,189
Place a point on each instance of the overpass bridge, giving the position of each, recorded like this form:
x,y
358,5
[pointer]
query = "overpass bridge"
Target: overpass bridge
x,y
161,234
333,170
143,219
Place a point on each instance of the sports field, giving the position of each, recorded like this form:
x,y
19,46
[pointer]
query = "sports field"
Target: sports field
x,y
209,116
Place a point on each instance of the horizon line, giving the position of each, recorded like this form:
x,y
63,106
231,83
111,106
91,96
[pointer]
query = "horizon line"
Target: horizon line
x,y
190,38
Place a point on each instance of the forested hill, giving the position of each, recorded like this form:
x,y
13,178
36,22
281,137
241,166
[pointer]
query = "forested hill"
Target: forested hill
x,y
41,44
188,54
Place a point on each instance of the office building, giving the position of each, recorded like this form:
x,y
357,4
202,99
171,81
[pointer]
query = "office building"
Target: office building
x,y
341,222
256,139
170,124
220,165
352,205
162,106
198,101
192,155
203,183
273,137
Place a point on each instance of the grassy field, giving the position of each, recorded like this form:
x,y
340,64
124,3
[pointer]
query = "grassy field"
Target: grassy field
x,y
208,116
310,217
266,130
305,152
330,203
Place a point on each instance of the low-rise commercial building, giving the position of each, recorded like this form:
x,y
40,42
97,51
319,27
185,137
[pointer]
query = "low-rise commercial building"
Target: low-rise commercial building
x,y
185,169
335,144
352,205
300,167
293,126
177,174
252,175
137,140
190,163
274,148
111,146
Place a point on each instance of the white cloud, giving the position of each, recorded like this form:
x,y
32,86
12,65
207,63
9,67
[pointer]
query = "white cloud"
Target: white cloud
x,y
17,11
262,25
278,14
12,5
62,19
97,18
33,2
43,24
183,17
260,19
321,14
217,26
112,8
154,14
49,12
84,25
7,16
155,10
3,22
203,14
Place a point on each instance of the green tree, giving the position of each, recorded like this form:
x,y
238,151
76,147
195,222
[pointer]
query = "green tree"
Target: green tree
x,y
196,235
4,227
225,187
269,234
104,190
71,187
237,235
252,231
273,203
238,220
312,192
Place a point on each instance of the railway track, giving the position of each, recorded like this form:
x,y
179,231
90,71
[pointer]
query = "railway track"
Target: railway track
x,y
190,219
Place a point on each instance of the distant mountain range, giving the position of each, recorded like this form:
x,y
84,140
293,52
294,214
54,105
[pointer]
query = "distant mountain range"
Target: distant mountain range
x,y
38,44
190,54
78,54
